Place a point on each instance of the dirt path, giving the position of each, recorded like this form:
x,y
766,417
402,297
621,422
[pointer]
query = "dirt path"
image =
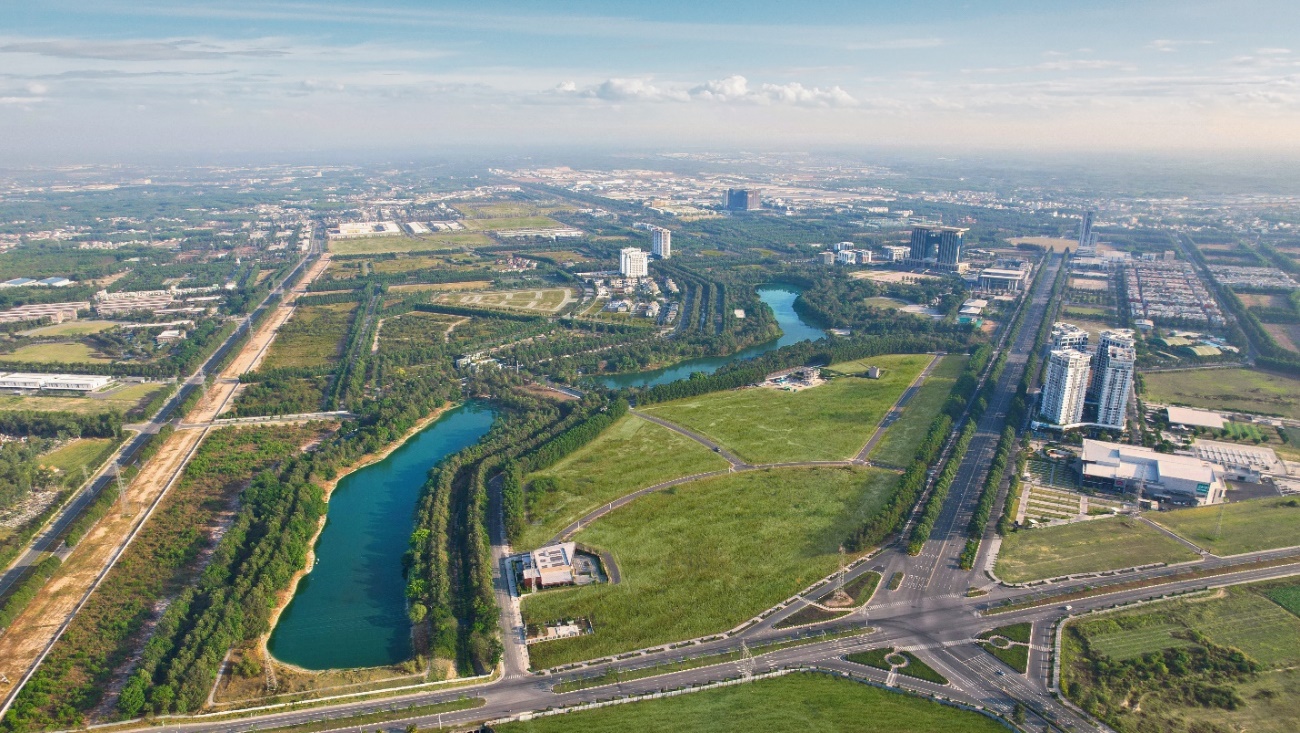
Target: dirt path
x,y
29,637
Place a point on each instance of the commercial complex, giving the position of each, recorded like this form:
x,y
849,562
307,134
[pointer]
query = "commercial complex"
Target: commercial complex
x,y
661,242
71,382
1065,387
998,279
937,245
356,230
1250,463
633,262
1162,476
743,199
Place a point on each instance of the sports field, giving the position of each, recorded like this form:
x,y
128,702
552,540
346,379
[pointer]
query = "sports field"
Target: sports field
x,y
899,443
122,399
828,422
1244,526
702,557
62,352
1085,547
1239,390
545,300
795,702
631,454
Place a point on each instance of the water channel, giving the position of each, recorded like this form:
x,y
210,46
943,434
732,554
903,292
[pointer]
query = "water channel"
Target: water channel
x,y
780,298
350,610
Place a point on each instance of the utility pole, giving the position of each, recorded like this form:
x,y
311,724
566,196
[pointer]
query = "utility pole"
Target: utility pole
x,y
746,663
124,505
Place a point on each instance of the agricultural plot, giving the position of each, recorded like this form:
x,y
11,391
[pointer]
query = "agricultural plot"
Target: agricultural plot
x,y
899,443
1238,390
828,422
702,557
545,300
72,352
1085,547
1232,529
121,399
313,337
795,702
631,454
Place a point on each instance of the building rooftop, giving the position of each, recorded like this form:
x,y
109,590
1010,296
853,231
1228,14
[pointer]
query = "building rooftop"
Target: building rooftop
x,y
1195,418
1132,462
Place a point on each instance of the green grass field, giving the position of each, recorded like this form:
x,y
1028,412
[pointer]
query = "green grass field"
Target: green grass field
x,y
1240,390
631,454
499,224
68,351
1231,529
72,328
313,337
1287,597
1124,644
544,300
887,303
77,453
425,243
879,658
829,422
122,400
701,558
898,445
1085,547
795,702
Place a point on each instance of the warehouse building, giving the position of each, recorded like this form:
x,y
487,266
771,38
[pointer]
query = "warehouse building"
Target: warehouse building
x,y
1187,480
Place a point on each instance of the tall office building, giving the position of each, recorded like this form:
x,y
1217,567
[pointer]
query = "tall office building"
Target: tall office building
x,y
661,242
633,262
743,199
937,244
1068,336
1121,337
1065,387
1116,386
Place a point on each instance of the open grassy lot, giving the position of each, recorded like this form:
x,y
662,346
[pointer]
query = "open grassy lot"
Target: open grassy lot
x,y
1240,617
123,399
507,209
66,351
77,453
313,336
702,557
544,300
1231,529
828,422
631,454
498,224
1240,390
72,328
795,702
883,302
415,329
1085,547
425,243
898,445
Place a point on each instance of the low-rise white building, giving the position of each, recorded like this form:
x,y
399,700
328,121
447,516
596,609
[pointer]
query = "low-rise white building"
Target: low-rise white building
x,y
549,566
71,382
1131,468
1249,463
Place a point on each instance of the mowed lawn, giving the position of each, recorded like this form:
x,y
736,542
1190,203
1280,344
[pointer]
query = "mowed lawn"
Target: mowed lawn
x,y
829,422
631,454
1231,529
1242,390
122,400
898,445
700,558
795,702
67,352
77,453
1085,547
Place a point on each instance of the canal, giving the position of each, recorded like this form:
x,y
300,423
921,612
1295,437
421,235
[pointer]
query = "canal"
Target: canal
x,y
350,610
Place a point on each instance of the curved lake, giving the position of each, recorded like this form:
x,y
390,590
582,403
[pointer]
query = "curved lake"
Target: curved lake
x,y
780,298
350,610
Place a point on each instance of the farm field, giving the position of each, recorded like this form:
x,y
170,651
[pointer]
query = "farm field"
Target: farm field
x,y
1287,335
545,300
899,443
1085,547
68,351
688,555
72,328
829,422
314,336
1239,390
77,453
498,224
795,702
631,454
122,399
1244,526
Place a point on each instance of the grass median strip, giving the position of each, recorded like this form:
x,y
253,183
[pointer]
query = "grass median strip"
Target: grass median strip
x,y
880,659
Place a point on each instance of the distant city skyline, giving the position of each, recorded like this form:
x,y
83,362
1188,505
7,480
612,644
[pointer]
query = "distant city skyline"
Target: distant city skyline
x,y
110,80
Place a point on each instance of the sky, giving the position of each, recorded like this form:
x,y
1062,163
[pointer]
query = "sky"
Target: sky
x,y
113,80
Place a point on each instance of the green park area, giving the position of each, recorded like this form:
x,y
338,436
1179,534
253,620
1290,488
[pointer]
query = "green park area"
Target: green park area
x,y
121,399
67,352
507,209
631,454
1085,547
795,702
72,328
1220,661
543,300
702,557
1231,529
899,443
828,422
1238,390
313,337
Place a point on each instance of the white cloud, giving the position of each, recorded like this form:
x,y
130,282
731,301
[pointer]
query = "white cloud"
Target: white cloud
x,y
895,44
733,89
1168,45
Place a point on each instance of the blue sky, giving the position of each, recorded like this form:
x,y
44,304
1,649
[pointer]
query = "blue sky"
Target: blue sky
x,y
117,78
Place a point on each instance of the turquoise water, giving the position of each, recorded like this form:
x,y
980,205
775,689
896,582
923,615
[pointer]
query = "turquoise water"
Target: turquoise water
x,y
350,610
780,298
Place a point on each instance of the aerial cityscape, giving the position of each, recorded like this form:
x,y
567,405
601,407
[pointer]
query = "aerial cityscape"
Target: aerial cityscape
x,y
850,367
